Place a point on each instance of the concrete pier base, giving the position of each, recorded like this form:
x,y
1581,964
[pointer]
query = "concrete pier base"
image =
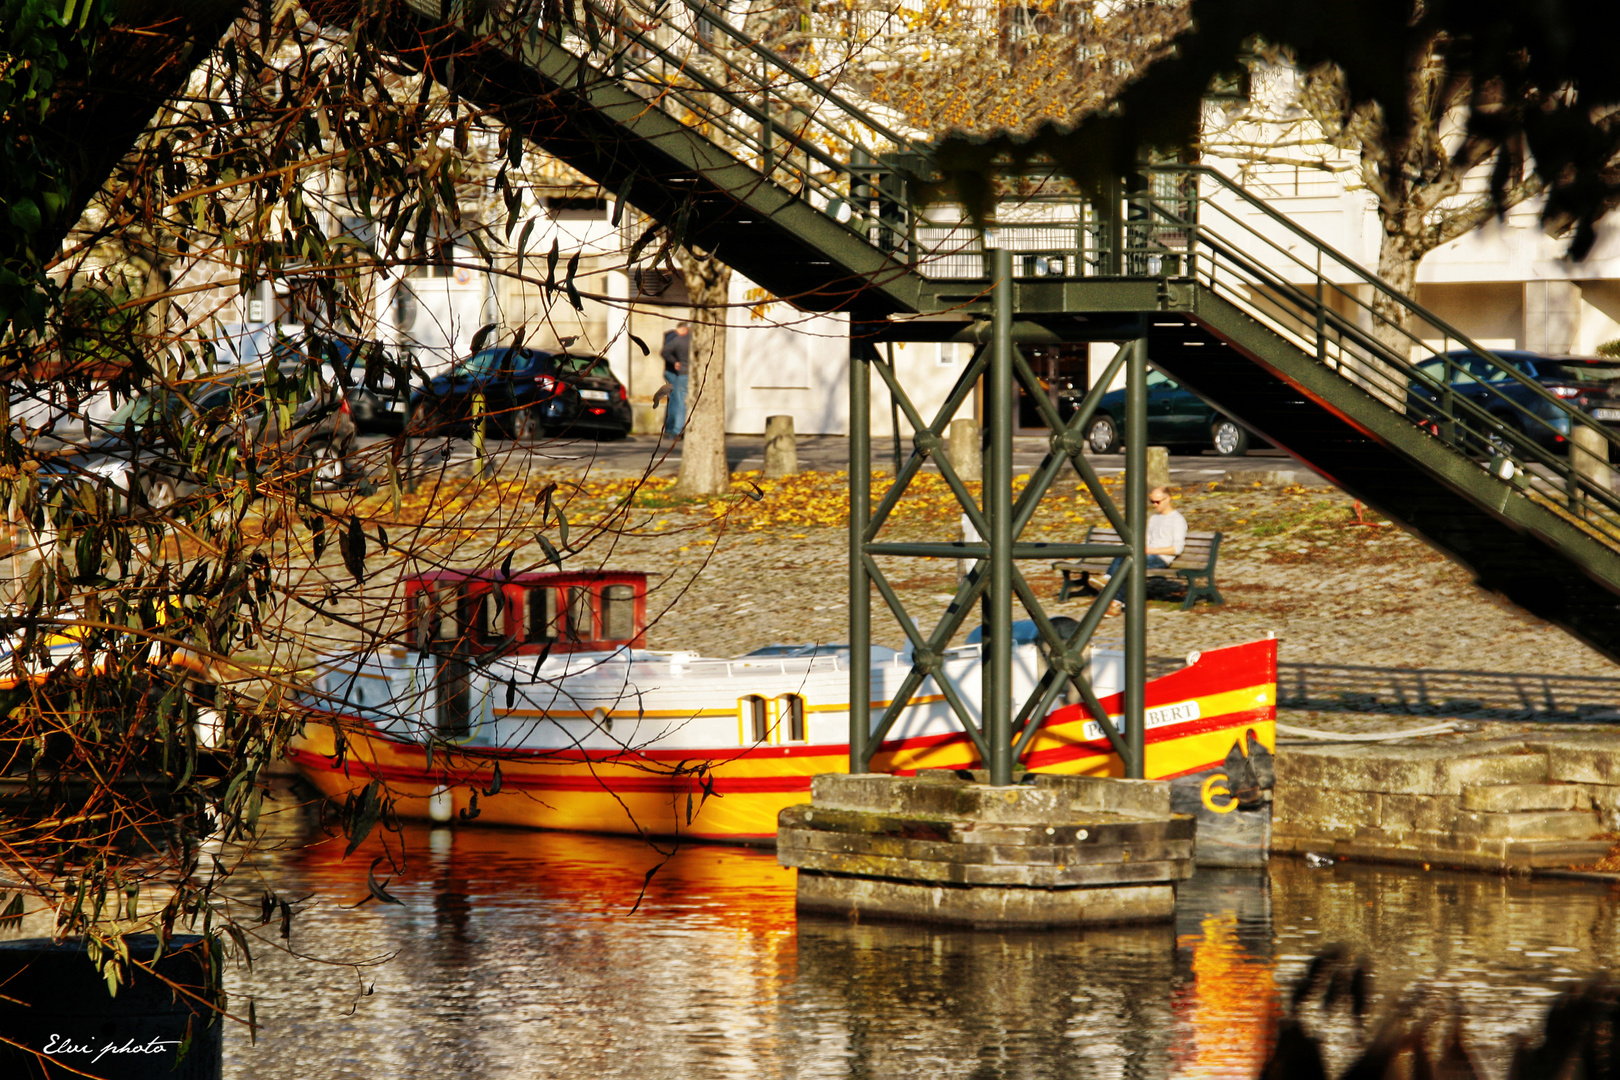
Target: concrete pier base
x,y
1504,805
943,848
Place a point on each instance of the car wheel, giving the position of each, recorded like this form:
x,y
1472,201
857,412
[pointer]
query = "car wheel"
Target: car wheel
x,y
1229,438
1103,436
524,425
325,466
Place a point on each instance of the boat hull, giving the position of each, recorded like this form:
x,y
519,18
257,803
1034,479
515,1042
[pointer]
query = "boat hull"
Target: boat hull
x,y
1198,717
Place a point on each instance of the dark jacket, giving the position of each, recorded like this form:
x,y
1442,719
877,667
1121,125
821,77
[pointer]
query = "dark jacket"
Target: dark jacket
x,y
677,352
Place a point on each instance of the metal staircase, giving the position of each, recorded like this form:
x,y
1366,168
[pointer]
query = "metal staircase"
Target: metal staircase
x,y
738,149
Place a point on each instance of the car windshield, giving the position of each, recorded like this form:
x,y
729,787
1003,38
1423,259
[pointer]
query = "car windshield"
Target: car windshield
x,y
1589,371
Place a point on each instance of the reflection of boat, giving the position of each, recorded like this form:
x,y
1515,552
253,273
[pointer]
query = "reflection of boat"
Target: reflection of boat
x,y
529,700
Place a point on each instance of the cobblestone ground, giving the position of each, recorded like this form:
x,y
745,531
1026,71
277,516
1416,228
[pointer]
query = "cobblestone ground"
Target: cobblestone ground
x,y
1336,584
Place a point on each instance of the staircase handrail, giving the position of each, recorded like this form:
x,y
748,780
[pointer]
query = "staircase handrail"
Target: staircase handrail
x,y
1369,278
1284,289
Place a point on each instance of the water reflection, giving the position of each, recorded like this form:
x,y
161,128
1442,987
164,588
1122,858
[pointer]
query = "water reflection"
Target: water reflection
x,y
517,954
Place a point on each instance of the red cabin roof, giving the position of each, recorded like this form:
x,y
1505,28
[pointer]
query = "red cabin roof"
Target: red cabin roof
x,y
486,611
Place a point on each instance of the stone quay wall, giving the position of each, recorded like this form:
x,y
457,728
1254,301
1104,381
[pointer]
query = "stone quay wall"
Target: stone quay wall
x,y
1538,802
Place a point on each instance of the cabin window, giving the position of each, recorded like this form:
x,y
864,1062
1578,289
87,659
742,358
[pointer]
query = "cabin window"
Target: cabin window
x,y
618,613
436,616
790,714
542,604
756,721
491,621
581,620
469,606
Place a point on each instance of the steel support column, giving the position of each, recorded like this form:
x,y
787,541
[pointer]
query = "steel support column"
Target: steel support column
x,y
1136,510
996,706
860,585
1000,736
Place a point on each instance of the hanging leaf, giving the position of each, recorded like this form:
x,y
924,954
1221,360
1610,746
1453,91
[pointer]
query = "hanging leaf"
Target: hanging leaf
x,y
482,335
568,283
495,782
375,889
354,550
361,813
622,198
551,553
317,529
642,345
523,241
472,810
13,914
506,563
511,693
551,266
540,661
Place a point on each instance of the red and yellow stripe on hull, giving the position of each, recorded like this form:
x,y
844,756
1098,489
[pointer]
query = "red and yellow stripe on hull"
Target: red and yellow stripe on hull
x,y
736,794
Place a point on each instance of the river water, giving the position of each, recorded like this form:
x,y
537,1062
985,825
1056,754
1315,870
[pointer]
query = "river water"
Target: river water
x,y
517,954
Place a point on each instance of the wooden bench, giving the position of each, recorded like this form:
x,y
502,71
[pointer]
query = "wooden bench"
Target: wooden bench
x,y
1195,565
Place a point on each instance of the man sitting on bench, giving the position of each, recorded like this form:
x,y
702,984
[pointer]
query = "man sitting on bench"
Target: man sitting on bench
x,y
1166,537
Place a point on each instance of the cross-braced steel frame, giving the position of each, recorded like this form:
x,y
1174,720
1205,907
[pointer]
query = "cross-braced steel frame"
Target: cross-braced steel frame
x,y
1003,736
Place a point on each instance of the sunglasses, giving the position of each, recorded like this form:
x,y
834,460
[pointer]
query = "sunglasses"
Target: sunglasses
x,y
1157,501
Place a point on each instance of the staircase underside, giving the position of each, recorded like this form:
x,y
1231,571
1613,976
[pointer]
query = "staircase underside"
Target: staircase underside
x,y
678,177
1525,549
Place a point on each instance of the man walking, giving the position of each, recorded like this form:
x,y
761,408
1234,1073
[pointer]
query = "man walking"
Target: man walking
x,y
677,354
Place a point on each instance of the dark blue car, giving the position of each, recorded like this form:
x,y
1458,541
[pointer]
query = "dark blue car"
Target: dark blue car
x,y
1589,384
1177,418
525,392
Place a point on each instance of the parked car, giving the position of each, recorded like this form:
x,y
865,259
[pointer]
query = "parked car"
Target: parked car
x,y
138,450
1177,418
367,368
1588,383
526,391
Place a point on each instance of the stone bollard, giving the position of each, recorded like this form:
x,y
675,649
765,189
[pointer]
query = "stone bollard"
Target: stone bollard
x,y
1589,456
1158,467
781,448
966,449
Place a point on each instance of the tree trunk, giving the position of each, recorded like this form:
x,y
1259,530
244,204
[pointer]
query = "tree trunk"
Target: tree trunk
x,y
1398,258
703,448
1392,324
